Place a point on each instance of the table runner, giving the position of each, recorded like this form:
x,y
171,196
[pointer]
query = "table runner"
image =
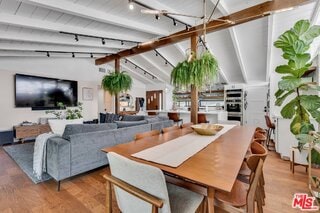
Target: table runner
x,y
174,152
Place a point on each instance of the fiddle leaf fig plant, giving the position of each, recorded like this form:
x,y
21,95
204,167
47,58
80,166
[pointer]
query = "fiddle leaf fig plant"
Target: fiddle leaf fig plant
x,y
295,44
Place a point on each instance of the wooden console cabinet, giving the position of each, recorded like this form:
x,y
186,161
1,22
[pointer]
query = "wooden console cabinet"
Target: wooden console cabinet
x,y
32,131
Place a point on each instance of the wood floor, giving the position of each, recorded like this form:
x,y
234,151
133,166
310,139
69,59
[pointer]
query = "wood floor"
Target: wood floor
x,y
86,193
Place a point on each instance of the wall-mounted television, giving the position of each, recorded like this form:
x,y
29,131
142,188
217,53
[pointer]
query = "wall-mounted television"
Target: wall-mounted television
x,y
42,93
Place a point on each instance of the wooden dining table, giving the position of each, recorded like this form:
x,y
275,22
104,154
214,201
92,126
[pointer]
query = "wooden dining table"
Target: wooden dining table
x,y
215,167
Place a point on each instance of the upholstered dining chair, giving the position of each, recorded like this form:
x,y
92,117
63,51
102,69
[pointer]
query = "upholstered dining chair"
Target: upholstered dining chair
x,y
169,129
142,188
147,134
243,198
175,117
186,125
202,118
271,128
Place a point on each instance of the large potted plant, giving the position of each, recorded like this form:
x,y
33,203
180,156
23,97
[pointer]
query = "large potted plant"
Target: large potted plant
x,y
197,72
293,87
115,83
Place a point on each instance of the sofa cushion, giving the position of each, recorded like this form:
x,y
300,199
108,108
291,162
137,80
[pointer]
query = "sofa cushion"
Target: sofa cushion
x,y
83,128
102,117
133,117
58,125
122,124
152,119
111,117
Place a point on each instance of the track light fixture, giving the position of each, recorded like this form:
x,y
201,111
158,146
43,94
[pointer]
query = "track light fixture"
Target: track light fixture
x,y
73,55
145,73
136,67
122,43
157,54
103,41
126,61
157,16
76,37
48,54
174,22
91,55
166,63
187,27
131,6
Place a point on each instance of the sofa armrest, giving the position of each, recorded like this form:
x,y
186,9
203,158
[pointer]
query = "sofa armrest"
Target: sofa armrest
x,y
58,158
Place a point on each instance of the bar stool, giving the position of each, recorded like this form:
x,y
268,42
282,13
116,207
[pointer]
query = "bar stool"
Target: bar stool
x,y
271,127
175,117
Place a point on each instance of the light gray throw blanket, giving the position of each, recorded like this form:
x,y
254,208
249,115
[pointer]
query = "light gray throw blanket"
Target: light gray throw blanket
x,y
40,153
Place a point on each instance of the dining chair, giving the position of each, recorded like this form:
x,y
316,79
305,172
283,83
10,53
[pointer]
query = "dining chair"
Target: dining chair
x,y
169,129
147,134
202,118
142,188
259,137
175,117
261,152
261,130
186,125
298,158
237,123
242,197
271,128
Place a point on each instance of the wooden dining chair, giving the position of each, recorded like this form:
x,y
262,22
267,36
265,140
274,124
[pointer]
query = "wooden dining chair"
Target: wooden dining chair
x,y
261,130
147,134
175,117
169,129
142,188
186,125
202,118
243,198
245,172
259,137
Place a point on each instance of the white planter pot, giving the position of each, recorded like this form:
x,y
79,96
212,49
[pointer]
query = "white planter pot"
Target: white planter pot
x,y
58,125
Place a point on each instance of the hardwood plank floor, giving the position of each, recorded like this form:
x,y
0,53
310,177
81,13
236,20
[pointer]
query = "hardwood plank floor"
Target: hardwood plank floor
x,y
86,193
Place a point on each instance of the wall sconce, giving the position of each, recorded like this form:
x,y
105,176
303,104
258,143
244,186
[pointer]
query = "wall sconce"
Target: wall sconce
x,y
151,98
154,96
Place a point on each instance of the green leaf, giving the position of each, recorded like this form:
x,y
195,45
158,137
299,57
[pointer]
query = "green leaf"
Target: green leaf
x,y
116,82
311,34
289,109
301,60
300,47
301,27
287,39
306,127
289,84
285,69
279,93
295,125
281,99
315,114
310,102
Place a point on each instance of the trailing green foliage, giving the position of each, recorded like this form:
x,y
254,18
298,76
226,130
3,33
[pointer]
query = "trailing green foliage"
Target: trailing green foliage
x,y
116,82
197,72
295,44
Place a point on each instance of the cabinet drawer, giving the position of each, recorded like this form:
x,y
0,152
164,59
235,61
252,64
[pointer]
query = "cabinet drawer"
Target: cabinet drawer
x,y
27,131
44,128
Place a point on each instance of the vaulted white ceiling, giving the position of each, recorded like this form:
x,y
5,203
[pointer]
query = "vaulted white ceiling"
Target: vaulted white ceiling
x,y
30,26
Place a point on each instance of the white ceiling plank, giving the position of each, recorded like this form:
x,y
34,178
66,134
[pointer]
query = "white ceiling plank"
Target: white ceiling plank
x,y
35,38
270,46
50,26
180,48
154,64
87,12
222,7
238,53
142,77
316,13
17,46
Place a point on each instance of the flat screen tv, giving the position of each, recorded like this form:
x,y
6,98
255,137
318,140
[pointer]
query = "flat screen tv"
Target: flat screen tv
x,y
44,93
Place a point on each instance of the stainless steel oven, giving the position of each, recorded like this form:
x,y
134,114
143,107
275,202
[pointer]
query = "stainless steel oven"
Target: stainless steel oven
x,y
234,106
235,117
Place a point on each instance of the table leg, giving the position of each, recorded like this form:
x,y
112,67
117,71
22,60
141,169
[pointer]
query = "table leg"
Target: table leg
x,y
210,200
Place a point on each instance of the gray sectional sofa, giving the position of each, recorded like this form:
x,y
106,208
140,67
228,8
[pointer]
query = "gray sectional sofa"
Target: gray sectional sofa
x,y
79,148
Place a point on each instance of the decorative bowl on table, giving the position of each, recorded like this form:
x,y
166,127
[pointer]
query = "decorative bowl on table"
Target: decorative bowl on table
x,y
207,129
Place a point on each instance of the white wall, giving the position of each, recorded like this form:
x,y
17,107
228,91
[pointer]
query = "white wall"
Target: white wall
x,y
80,69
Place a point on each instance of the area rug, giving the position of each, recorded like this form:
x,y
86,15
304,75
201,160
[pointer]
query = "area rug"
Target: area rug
x,y
22,154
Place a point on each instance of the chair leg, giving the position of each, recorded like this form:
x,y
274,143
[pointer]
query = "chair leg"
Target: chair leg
x,y
58,186
293,163
108,197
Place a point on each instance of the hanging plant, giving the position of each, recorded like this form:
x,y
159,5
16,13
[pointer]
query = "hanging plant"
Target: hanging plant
x,y
116,82
295,44
196,72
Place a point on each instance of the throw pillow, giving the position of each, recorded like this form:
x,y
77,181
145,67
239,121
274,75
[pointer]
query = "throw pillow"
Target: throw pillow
x,y
102,117
58,125
110,117
133,117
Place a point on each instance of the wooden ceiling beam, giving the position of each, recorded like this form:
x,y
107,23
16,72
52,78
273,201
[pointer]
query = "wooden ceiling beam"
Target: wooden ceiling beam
x,y
243,16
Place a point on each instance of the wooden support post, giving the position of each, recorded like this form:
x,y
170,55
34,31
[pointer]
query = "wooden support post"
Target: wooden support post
x,y
116,98
194,89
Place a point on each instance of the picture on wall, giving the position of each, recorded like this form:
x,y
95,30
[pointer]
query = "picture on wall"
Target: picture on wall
x,y
87,94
